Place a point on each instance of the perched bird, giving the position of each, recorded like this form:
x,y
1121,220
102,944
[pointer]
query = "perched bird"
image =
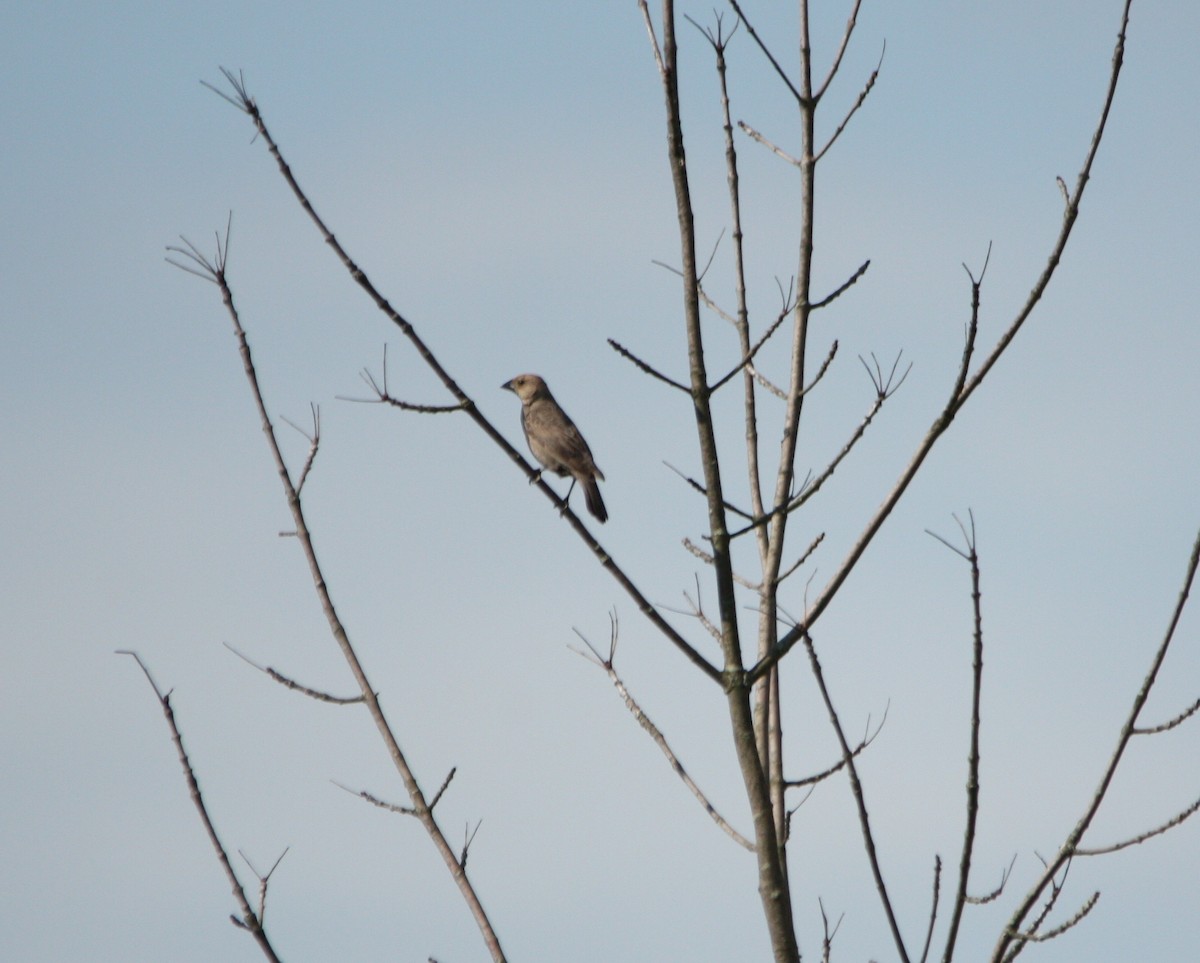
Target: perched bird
x,y
555,441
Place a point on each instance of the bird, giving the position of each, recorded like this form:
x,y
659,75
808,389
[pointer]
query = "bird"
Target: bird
x,y
555,441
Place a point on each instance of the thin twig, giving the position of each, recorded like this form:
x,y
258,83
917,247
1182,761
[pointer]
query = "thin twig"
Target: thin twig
x,y
292,684
606,663
647,368
862,96
933,908
837,60
770,145
1141,837
841,763
842,288
767,53
729,506
1170,723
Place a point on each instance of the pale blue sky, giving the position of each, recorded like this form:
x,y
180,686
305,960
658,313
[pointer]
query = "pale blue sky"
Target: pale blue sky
x,y
499,172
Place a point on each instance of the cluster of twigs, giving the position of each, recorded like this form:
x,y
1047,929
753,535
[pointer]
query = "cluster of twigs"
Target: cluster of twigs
x,y
749,682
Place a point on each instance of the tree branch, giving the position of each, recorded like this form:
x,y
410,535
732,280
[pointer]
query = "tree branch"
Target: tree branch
x,y
250,921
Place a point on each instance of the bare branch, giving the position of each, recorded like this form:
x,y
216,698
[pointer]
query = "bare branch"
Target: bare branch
x,y
606,663
859,799
837,60
658,59
1071,844
606,560
648,369
843,288
749,356
801,560
468,838
314,442
957,399
376,801
862,96
263,881
770,145
321,586
1170,723
1141,837
249,920
769,385
838,766
970,554
729,506
800,99
937,889
1059,930
383,396
827,935
291,684
994,894
885,386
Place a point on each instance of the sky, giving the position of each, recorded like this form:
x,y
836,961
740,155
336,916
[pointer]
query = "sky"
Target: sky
x,y
499,172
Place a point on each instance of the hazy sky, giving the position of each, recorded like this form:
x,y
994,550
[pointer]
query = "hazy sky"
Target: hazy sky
x,y
499,171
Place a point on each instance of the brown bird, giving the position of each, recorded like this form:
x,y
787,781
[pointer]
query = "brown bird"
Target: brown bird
x,y
555,441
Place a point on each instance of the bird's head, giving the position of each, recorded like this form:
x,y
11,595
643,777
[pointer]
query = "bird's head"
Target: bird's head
x,y
527,387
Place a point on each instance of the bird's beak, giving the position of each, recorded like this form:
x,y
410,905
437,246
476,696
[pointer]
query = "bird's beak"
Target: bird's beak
x,y
508,385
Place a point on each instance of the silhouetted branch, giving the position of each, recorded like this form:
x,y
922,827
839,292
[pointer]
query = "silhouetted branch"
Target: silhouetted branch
x,y
263,881
314,442
384,396
217,271
841,52
862,96
1029,937
607,664
1170,723
767,53
292,684
648,369
801,560
933,908
838,766
842,288
769,144
1141,837
970,554
696,486
249,920
1070,845
859,799
958,398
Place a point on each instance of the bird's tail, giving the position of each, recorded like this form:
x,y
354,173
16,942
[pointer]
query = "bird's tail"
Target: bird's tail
x,y
595,504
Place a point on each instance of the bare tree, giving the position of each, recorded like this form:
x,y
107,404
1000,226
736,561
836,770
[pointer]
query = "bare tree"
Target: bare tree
x,y
752,647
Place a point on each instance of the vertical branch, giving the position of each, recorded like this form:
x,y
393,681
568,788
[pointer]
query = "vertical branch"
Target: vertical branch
x,y
772,880
964,867
766,692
